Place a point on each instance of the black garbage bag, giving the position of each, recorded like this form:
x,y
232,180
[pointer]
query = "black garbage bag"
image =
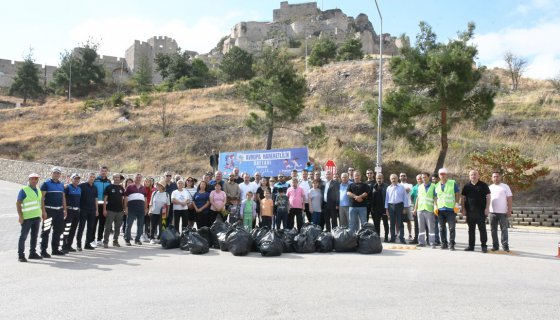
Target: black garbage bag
x,y
205,233
304,243
258,234
183,241
271,244
239,241
344,240
325,242
197,243
288,236
170,238
222,241
369,242
369,226
313,230
218,227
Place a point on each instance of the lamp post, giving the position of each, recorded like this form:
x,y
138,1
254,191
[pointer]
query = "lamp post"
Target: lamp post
x,y
380,105
70,80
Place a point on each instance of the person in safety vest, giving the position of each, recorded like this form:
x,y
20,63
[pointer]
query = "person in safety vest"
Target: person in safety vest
x,y
424,210
446,197
29,213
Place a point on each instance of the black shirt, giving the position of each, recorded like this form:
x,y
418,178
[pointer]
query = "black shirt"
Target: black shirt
x,y
115,195
87,199
475,197
358,189
379,192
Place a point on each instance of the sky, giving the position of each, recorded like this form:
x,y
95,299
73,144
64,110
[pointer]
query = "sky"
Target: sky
x,y
528,28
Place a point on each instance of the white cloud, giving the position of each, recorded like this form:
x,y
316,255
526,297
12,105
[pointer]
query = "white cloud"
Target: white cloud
x,y
538,44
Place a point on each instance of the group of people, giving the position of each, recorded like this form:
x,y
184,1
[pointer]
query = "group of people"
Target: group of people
x,y
104,208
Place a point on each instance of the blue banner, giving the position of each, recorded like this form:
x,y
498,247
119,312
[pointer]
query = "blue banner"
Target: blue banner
x,y
267,162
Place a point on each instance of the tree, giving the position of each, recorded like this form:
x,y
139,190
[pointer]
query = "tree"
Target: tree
x,y
555,83
82,68
277,90
516,66
350,50
237,64
142,78
173,66
323,52
162,62
518,171
437,86
26,82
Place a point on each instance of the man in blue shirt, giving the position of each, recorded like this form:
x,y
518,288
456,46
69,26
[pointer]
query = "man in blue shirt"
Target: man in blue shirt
x,y
395,202
344,200
72,193
54,204
88,212
101,183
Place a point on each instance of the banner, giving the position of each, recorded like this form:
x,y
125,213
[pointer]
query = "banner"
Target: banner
x,y
267,162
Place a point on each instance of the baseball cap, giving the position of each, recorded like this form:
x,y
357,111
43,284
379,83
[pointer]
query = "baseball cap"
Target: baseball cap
x,y
74,176
442,170
56,169
33,175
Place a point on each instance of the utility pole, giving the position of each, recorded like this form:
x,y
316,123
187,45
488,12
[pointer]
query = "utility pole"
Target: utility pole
x,y
70,80
380,105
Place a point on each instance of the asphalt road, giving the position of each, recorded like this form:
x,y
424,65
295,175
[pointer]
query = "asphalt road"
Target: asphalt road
x,y
401,283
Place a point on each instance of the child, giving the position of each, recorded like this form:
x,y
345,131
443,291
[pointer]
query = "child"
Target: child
x,y
267,206
234,211
282,207
249,210
315,202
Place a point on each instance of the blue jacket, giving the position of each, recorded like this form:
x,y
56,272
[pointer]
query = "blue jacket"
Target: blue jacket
x,y
101,184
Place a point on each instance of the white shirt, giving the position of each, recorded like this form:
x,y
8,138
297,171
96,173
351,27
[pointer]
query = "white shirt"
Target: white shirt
x,y
408,189
246,188
498,197
327,184
305,185
181,196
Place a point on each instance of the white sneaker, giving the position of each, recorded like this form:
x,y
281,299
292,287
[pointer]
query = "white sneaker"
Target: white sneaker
x,y
144,238
152,241
100,242
93,244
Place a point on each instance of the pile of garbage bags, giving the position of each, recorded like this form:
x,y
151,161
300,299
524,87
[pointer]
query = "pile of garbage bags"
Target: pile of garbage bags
x,y
270,243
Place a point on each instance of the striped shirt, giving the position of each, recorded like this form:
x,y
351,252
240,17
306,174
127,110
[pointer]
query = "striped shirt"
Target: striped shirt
x,y
136,196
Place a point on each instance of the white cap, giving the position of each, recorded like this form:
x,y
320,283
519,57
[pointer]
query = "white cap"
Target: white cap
x,y
33,175
56,169
442,170
74,176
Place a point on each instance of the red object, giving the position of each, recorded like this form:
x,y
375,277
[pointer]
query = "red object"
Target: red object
x,y
330,166
558,256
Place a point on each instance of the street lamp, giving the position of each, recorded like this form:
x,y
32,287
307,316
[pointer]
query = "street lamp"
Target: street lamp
x,y
70,80
380,105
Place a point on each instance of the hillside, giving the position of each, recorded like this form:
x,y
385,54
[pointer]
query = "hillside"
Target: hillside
x,y
72,134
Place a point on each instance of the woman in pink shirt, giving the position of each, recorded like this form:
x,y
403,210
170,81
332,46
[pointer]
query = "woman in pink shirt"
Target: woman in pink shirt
x,y
217,203
296,197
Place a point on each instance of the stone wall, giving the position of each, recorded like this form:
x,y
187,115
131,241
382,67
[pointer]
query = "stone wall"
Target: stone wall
x,y
8,70
290,11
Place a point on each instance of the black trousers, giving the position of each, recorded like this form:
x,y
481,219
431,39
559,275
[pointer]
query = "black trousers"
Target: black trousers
x,y
377,217
329,217
307,213
179,215
71,221
416,229
55,221
155,223
266,222
298,214
473,223
99,221
87,217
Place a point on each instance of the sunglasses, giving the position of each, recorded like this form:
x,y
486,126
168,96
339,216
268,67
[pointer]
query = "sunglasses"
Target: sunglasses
x,y
168,175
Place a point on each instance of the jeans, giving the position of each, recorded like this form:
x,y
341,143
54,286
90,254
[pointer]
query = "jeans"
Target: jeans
x,y
426,218
281,219
137,215
117,219
396,220
72,220
356,213
449,217
502,220
316,218
32,225
344,214
55,220
86,217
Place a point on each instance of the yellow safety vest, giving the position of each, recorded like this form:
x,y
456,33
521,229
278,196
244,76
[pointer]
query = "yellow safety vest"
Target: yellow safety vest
x,y
446,198
426,198
31,205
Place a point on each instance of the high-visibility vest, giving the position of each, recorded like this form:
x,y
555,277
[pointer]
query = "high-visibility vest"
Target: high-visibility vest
x,y
426,198
446,198
31,205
